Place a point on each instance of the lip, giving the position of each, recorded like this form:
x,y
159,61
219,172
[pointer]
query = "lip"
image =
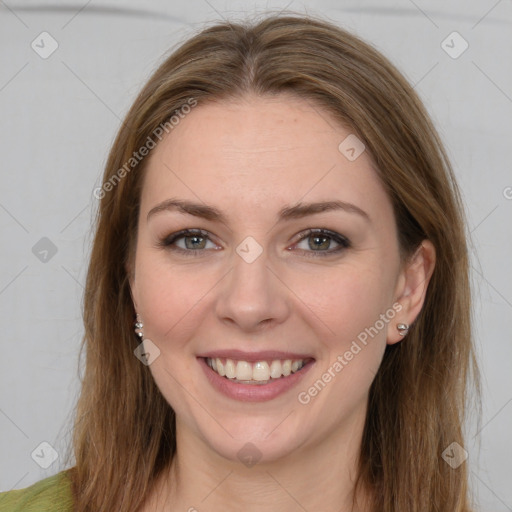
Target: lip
x,y
254,392
252,357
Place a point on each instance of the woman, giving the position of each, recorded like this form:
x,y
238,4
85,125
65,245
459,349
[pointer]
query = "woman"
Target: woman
x,y
277,308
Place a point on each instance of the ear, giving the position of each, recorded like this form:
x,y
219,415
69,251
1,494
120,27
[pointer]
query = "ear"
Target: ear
x,y
412,287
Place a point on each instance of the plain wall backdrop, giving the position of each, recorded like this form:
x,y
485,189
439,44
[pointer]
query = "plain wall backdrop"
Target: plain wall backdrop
x,y
68,75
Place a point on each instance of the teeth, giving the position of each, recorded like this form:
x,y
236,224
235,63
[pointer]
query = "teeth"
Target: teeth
x,y
230,369
243,370
259,371
276,369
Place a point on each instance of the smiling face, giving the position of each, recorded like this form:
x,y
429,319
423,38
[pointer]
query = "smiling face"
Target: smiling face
x,y
248,294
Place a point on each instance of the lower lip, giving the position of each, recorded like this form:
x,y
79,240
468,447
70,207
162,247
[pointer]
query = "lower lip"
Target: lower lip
x,y
253,392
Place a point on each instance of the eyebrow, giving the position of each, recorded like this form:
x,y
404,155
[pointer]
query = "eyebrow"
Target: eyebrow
x,y
296,211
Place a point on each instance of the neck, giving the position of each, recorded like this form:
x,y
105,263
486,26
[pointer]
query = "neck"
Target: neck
x,y
316,477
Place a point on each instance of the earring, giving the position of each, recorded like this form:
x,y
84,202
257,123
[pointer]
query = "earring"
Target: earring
x,y
403,329
138,327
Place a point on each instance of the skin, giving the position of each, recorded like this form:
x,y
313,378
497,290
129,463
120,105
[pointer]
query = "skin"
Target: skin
x,y
249,158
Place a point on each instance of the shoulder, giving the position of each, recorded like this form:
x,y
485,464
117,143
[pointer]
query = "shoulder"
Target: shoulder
x,y
51,494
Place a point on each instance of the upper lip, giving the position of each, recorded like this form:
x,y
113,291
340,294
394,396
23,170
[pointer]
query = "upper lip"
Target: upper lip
x,y
264,355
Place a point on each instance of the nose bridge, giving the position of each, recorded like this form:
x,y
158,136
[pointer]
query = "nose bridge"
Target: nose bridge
x,y
251,294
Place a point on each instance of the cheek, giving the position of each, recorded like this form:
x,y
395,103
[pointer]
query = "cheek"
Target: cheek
x,y
356,309
170,299
342,302
347,300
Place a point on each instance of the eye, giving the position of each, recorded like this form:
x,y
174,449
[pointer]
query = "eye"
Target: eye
x,y
319,239
194,241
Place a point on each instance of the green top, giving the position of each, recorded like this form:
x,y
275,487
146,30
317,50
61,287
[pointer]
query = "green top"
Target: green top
x,y
53,494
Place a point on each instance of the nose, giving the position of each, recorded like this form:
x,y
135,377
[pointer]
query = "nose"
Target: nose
x,y
251,296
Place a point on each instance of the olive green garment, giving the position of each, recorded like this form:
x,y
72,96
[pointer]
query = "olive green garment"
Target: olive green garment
x,y
53,494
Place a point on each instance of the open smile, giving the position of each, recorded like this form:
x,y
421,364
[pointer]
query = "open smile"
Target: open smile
x,y
257,380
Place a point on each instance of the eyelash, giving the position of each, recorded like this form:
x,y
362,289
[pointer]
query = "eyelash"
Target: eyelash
x,y
344,243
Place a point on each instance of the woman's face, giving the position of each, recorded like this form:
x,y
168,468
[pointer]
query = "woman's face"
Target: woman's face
x,y
299,325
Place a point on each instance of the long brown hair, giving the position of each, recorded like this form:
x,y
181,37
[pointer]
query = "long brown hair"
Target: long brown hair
x,y
124,433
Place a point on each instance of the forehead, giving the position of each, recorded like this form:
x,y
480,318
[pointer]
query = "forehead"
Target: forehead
x,y
257,151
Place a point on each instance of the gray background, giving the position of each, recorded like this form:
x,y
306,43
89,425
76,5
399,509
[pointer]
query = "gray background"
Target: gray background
x,y
59,116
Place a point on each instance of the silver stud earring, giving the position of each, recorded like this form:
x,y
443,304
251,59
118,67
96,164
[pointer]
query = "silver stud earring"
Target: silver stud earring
x,y
138,327
403,329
